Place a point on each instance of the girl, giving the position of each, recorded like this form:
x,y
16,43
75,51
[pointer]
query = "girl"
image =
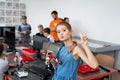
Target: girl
x,y
69,60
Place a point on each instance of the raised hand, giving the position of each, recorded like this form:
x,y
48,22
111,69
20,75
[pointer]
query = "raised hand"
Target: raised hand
x,y
84,39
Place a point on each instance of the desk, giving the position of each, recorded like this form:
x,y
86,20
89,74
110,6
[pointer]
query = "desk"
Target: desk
x,y
40,63
97,46
107,48
96,75
31,76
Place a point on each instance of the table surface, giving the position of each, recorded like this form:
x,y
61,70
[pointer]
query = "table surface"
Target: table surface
x,y
31,76
40,63
97,46
96,75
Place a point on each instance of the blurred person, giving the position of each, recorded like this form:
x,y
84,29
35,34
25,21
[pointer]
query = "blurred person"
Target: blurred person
x,y
3,63
40,28
49,37
24,29
53,24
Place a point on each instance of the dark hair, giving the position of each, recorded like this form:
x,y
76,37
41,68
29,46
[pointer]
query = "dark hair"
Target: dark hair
x,y
23,17
54,12
1,48
65,24
65,18
47,30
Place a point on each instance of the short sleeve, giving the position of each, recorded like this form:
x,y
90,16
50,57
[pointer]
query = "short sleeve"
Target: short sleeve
x,y
19,28
30,27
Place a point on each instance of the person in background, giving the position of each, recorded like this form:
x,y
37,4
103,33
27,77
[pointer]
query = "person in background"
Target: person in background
x,y
70,54
66,19
3,63
40,34
10,64
50,41
40,27
53,24
24,29
48,36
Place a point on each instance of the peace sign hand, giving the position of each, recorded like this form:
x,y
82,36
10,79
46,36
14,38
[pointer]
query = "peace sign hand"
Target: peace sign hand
x,y
84,39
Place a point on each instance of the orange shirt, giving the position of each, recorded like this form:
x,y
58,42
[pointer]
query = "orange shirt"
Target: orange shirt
x,y
53,25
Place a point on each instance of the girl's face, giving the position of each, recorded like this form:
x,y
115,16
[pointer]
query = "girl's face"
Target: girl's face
x,y
63,32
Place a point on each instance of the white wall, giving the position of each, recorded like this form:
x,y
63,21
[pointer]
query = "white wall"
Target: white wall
x,y
99,18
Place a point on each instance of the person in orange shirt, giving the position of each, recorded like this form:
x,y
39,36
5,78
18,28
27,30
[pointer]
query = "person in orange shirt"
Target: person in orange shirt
x,y
53,24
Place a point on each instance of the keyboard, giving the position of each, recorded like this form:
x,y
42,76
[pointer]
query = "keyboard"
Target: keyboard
x,y
40,72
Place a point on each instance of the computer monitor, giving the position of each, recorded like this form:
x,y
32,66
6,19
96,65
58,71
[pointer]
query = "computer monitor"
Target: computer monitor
x,y
10,39
7,33
38,42
1,33
3,29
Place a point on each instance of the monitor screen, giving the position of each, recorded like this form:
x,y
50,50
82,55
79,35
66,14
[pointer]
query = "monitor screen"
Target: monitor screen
x,y
3,29
8,34
1,33
10,39
38,42
53,47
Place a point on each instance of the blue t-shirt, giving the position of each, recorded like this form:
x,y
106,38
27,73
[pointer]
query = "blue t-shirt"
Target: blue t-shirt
x,y
24,27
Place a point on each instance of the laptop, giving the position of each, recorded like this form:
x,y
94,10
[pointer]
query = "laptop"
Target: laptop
x,y
53,47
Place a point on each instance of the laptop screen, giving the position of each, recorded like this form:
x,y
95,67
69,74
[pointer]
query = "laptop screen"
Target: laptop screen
x,y
53,47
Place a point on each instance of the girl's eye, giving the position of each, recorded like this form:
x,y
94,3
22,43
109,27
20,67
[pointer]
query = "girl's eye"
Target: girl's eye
x,y
64,30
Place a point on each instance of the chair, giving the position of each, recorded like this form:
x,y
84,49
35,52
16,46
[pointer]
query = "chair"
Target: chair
x,y
107,61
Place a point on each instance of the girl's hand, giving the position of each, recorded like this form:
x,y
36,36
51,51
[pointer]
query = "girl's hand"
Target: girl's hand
x,y
84,39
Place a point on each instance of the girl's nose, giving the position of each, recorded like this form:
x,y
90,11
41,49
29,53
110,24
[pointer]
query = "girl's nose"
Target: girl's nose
x,y
61,33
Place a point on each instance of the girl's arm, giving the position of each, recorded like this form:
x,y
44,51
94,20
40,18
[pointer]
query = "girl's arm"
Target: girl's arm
x,y
85,53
